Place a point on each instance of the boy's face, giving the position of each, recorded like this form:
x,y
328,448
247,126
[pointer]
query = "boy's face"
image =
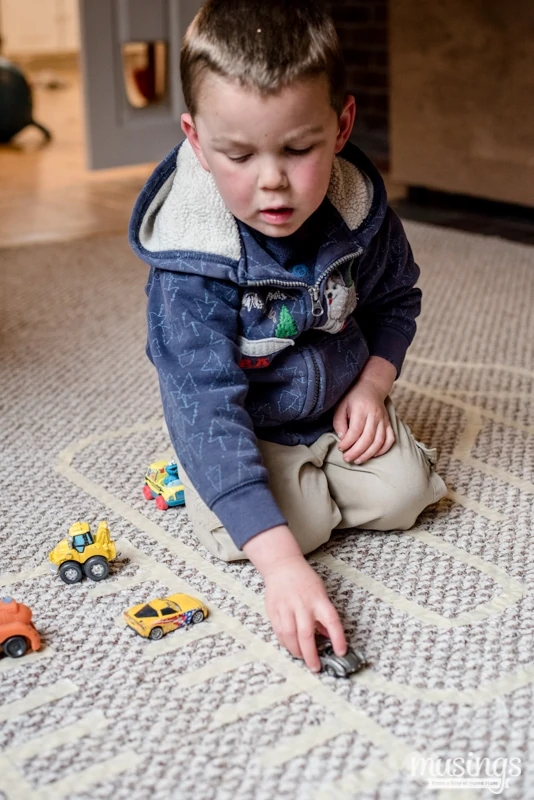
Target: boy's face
x,y
270,156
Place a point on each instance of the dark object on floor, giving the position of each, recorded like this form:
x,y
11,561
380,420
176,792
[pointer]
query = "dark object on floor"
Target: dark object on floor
x,y
16,105
463,212
338,666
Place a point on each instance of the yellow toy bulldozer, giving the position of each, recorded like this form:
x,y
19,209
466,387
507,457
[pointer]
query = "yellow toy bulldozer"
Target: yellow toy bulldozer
x,y
81,553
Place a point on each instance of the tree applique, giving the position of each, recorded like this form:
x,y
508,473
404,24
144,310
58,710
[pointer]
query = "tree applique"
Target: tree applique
x,y
286,327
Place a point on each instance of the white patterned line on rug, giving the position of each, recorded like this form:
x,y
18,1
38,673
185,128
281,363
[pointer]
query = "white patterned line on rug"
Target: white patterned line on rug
x,y
83,781
95,721
436,394
487,693
365,781
37,698
462,451
13,785
463,447
68,453
513,590
501,395
213,669
149,569
474,424
374,774
231,712
12,782
9,578
303,742
473,505
496,472
10,664
171,644
119,584
470,365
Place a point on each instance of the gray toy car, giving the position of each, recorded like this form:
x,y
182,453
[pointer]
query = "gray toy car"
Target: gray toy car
x,y
338,666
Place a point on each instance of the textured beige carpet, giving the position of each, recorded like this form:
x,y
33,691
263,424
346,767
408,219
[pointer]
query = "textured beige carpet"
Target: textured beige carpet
x,y
444,613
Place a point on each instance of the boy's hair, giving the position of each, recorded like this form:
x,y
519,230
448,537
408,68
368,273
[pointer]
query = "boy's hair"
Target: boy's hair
x,y
263,45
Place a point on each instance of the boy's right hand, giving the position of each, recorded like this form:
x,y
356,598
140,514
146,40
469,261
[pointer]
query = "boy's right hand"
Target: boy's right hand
x,y
295,596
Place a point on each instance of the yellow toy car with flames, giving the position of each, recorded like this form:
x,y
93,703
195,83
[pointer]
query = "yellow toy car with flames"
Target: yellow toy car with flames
x,y
81,553
163,615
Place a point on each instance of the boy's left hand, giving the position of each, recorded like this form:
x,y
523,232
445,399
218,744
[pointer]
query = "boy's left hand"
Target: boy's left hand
x,y
361,420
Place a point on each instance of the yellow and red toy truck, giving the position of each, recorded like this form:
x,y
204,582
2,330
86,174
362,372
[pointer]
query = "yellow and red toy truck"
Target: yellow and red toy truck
x,y
17,631
81,553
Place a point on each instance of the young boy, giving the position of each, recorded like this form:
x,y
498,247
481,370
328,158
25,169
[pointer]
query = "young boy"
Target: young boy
x,y
281,303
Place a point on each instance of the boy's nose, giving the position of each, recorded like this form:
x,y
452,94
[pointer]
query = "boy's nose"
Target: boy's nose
x,y
272,176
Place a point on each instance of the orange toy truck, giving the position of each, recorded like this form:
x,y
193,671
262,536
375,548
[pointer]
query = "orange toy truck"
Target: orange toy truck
x,y
17,632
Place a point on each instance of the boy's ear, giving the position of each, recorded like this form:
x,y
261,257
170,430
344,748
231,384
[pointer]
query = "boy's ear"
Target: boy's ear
x,y
188,127
346,122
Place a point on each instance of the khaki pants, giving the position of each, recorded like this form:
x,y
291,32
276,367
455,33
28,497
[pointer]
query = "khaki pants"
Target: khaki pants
x,y
318,492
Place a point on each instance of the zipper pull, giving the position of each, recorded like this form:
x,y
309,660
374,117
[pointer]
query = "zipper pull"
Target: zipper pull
x,y
317,309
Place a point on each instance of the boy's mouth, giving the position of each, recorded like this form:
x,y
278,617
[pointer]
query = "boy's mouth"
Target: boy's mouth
x,y
276,216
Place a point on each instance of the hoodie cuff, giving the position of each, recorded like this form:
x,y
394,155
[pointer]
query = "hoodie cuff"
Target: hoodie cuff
x,y
248,511
390,344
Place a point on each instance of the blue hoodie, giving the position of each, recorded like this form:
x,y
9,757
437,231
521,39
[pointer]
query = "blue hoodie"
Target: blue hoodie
x,y
246,348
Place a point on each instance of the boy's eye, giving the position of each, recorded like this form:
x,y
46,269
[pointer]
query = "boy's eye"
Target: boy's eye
x,y
239,159
299,152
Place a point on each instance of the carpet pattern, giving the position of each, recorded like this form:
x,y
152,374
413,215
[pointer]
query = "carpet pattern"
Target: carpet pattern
x,y
444,612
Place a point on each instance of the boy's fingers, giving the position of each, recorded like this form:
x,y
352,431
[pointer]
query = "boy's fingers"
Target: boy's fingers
x,y
286,633
388,444
364,441
355,430
308,646
334,630
340,421
375,446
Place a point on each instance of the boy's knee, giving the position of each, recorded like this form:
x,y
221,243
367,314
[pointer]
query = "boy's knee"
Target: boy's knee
x,y
404,501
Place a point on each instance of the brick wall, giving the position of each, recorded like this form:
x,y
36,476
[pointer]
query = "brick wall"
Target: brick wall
x,y
362,26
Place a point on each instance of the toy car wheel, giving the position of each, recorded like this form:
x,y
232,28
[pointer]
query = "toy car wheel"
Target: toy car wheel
x,y
330,671
70,572
147,494
15,647
96,568
155,634
198,616
161,503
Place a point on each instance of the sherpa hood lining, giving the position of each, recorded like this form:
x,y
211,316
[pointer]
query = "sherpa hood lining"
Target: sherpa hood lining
x,y
187,210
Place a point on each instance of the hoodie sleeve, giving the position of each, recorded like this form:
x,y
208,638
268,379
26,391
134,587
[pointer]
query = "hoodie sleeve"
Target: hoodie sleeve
x,y
192,335
388,302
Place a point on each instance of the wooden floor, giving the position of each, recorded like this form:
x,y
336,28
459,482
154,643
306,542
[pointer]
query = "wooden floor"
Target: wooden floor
x,y
46,192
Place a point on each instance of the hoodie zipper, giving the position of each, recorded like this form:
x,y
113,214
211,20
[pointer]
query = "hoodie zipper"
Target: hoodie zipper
x,y
317,307
317,376
314,291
